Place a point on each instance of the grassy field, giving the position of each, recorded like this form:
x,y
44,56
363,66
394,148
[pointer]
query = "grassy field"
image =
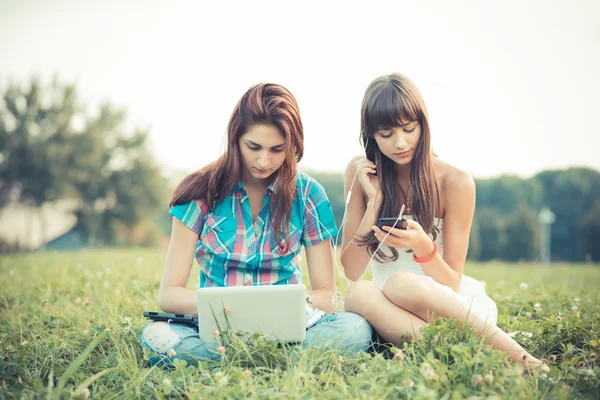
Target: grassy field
x,y
69,324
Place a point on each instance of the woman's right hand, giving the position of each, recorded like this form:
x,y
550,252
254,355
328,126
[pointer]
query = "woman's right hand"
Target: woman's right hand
x,y
366,171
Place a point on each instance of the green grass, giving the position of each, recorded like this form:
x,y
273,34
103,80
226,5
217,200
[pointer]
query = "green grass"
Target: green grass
x,y
69,324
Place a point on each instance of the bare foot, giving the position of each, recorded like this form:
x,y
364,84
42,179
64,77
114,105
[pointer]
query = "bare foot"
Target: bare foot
x,y
532,364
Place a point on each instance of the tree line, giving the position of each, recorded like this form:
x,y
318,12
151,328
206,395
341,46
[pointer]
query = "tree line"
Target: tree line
x,y
52,147
505,225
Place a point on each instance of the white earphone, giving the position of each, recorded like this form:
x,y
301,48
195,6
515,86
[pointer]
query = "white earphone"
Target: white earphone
x,y
337,298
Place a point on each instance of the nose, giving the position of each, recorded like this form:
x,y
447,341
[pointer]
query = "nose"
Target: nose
x,y
401,142
263,160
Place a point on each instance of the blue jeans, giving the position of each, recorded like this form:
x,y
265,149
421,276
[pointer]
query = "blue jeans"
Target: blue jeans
x,y
344,332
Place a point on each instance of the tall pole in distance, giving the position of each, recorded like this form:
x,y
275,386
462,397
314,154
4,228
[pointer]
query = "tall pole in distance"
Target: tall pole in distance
x,y
545,218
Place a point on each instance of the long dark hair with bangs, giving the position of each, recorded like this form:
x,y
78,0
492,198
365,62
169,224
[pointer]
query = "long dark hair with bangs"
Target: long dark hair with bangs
x,y
393,100
262,104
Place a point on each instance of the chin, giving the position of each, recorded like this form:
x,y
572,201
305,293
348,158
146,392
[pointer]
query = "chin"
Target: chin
x,y
262,177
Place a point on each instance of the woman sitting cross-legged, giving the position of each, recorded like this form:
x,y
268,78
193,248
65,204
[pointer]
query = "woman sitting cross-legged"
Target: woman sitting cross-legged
x,y
245,218
418,271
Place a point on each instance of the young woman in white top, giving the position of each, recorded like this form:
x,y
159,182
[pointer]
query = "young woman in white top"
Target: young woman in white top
x,y
417,272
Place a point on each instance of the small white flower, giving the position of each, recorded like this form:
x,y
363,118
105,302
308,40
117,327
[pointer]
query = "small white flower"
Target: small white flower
x,y
85,332
219,374
524,286
576,299
127,328
24,343
574,308
427,371
537,305
223,381
537,309
528,314
127,320
171,353
363,366
408,383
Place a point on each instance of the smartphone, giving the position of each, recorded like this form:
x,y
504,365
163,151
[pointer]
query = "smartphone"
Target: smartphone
x,y
390,222
170,317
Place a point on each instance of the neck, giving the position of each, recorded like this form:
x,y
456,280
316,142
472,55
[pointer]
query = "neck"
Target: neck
x,y
252,183
403,173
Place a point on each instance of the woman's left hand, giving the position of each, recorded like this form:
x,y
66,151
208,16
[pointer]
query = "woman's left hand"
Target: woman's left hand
x,y
413,238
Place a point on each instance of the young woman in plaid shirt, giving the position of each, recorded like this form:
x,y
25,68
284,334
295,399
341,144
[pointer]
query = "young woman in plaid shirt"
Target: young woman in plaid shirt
x,y
245,218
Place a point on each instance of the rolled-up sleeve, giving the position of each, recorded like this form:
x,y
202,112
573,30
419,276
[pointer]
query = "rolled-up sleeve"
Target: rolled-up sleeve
x,y
319,221
191,214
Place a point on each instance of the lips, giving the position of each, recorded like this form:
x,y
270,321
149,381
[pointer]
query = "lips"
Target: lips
x,y
261,171
402,154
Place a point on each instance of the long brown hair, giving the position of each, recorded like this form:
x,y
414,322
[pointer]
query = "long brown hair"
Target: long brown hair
x,y
262,104
390,101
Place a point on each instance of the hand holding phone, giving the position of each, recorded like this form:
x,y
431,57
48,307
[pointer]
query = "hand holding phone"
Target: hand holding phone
x,y
402,224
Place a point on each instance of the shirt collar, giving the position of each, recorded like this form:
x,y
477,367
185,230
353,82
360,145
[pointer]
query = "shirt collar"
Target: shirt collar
x,y
273,187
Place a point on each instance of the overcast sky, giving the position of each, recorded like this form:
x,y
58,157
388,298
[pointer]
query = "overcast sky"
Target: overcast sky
x,y
511,86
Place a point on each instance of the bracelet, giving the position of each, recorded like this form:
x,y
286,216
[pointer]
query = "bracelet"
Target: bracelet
x,y
428,258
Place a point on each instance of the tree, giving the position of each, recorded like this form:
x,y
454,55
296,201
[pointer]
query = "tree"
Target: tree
x,y
590,229
49,149
570,194
492,237
34,122
474,242
522,235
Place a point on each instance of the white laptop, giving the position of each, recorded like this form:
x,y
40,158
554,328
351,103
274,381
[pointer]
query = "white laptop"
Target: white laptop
x,y
276,311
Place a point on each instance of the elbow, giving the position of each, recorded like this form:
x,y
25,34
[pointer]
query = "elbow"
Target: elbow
x,y
163,300
349,273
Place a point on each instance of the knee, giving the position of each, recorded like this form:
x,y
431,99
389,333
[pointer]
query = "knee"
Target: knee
x,y
159,337
406,285
359,296
359,332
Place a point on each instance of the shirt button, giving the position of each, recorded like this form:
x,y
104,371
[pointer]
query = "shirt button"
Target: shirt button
x,y
251,247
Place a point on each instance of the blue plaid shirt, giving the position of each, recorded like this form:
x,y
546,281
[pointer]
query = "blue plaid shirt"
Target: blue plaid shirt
x,y
232,251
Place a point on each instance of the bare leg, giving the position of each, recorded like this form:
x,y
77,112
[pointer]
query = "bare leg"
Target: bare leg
x,y
428,301
392,323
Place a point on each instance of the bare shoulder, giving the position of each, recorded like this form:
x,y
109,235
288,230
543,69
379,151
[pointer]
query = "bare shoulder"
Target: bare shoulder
x,y
351,167
455,184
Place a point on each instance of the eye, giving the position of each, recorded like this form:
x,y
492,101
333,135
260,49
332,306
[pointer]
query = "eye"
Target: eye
x,y
277,150
385,135
411,129
254,148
